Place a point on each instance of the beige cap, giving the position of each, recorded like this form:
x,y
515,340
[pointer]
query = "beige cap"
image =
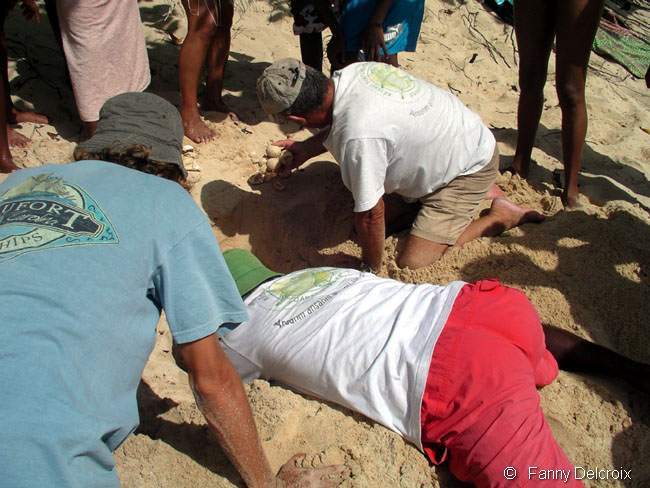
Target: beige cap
x,y
279,85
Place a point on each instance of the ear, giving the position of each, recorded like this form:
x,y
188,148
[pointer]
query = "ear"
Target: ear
x,y
298,120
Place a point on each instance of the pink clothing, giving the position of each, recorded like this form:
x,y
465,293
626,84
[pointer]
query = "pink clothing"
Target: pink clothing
x,y
105,51
480,407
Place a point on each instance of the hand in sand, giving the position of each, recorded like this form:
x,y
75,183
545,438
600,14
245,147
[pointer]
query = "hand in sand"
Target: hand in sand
x,y
299,151
292,476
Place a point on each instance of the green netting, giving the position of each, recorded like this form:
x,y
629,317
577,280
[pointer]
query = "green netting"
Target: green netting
x,y
627,50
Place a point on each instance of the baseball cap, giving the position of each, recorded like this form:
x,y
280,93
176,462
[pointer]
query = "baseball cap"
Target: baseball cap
x,y
279,85
247,271
140,118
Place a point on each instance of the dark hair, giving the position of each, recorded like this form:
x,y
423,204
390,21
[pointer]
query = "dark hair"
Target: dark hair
x,y
134,157
312,93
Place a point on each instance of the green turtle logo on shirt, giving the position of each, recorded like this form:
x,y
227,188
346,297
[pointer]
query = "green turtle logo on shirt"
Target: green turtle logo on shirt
x,y
45,212
296,286
390,81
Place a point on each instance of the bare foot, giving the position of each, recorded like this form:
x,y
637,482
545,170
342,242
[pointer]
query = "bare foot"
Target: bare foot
x,y
219,106
512,215
494,192
16,139
7,165
18,116
195,128
570,198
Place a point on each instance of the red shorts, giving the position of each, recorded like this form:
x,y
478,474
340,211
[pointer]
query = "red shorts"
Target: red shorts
x,y
480,406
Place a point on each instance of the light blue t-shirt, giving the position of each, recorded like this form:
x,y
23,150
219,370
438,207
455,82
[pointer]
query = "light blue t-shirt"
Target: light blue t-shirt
x,y
90,254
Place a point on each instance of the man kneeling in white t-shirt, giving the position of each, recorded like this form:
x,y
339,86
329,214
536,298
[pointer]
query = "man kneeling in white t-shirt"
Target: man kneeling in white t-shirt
x,y
392,133
454,369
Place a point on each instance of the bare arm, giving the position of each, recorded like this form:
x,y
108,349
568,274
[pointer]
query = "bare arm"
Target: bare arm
x,y
371,230
221,398
373,35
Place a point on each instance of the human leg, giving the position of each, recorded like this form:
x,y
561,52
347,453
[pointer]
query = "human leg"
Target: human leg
x,y
14,116
445,218
534,28
218,52
201,33
577,22
581,356
311,49
502,216
8,137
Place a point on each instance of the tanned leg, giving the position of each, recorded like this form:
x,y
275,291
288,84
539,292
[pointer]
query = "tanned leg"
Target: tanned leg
x,y
577,22
311,49
573,353
89,129
502,216
201,33
534,28
217,57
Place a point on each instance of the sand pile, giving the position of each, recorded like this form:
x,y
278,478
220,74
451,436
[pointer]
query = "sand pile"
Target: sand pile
x,y
585,270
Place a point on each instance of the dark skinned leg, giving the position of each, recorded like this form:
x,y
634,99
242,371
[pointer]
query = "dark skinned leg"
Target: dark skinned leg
x,y
575,354
535,29
6,161
14,116
9,136
577,22
311,49
218,52
201,32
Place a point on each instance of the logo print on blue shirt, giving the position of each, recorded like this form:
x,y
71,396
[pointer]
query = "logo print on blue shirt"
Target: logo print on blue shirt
x,y
45,212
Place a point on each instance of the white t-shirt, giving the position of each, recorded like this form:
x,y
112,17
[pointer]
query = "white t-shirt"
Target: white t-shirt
x,y
394,133
347,337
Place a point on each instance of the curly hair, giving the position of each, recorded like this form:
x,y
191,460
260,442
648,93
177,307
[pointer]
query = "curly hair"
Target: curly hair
x,y
135,157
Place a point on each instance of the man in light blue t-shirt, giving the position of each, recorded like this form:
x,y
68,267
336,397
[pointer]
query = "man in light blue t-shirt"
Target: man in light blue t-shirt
x,y
90,254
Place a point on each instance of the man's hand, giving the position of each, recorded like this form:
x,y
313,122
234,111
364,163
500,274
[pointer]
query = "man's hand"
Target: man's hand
x,y
299,151
303,150
292,476
30,10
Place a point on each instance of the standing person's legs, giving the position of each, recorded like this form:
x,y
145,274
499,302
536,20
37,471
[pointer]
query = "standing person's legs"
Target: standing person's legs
x,y
201,33
535,29
577,22
6,161
311,49
218,52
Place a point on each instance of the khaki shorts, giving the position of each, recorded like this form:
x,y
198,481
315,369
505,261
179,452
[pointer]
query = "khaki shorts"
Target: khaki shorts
x,y
447,212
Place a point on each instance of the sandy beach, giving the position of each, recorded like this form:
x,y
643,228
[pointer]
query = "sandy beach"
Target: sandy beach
x,y
586,270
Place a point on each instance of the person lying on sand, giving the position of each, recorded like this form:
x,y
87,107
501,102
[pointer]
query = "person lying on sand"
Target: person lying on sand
x,y
392,133
90,254
8,113
453,369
